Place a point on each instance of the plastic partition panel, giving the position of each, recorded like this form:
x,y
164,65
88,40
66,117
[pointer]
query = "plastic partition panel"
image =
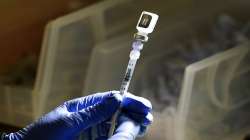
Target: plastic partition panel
x,y
215,99
108,64
66,64
108,61
16,108
66,49
94,24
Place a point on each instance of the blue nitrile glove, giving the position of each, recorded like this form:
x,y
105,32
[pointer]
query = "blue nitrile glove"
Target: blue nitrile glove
x,y
132,122
73,117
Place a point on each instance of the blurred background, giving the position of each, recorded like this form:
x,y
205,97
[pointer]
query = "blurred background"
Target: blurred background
x,y
22,27
194,69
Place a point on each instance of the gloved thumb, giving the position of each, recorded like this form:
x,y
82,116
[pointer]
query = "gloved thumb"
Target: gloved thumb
x,y
97,113
127,130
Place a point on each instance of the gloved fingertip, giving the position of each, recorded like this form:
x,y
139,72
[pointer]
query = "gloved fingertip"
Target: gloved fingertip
x,y
114,98
148,119
118,96
109,104
143,130
115,92
135,105
142,100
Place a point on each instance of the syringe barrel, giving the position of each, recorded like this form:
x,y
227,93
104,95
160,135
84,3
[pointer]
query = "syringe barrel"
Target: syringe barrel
x,y
137,46
128,75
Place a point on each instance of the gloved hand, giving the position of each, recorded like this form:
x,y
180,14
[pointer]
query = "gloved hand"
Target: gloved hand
x,y
68,120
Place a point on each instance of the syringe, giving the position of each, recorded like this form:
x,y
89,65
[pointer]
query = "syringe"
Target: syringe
x,y
144,26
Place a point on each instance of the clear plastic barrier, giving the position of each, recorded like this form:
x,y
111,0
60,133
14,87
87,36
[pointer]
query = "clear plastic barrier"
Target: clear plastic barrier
x,y
215,98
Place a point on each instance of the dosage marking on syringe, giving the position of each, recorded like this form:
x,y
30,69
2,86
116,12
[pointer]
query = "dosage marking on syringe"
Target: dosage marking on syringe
x,y
128,75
